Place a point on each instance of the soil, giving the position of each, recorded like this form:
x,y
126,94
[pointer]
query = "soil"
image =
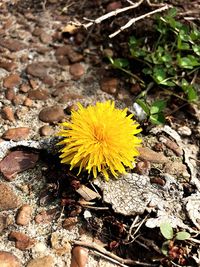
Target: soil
x,y
45,69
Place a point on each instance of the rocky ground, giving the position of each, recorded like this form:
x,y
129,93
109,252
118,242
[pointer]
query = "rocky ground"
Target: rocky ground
x,y
44,71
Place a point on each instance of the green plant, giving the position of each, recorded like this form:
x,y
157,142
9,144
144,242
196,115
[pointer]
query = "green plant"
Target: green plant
x,y
154,111
168,233
170,58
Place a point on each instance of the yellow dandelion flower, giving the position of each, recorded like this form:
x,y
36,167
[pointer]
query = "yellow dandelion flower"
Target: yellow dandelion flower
x,y
100,138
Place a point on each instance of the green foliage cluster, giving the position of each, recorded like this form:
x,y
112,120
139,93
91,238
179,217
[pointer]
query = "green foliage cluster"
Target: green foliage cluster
x,y
170,61
168,233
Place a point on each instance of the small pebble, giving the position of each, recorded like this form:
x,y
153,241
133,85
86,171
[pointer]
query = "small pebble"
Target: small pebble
x,y
11,81
184,131
46,130
28,102
7,114
76,70
24,215
22,241
110,85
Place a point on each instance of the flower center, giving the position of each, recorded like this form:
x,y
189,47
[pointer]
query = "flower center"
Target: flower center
x,y
99,134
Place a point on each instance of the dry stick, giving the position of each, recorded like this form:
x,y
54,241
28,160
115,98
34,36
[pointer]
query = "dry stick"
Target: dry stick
x,y
108,258
109,254
127,25
111,14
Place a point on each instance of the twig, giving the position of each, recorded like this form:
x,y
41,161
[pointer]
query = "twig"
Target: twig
x,y
131,228
138,228
194,78
95,208
109,254
108,258
150,243
111,14
194,240
132,21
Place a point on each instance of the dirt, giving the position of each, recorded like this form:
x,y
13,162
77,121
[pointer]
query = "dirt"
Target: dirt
x,y
44,72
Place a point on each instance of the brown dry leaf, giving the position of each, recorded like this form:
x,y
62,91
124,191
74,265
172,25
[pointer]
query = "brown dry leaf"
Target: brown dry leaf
x,y
69,29
87,193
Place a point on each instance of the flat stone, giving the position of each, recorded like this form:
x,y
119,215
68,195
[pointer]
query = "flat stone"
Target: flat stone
x,y
68,96
176,168
76,70
9,66
45,38
12,81
61,88
22,241
52,114
7,259
46,261
24,215
16,134
68,51
151,156
8,199
7,114
12,44
16,162
38,94
39,70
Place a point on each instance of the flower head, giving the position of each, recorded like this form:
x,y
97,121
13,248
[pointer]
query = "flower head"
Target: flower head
x,y
100,138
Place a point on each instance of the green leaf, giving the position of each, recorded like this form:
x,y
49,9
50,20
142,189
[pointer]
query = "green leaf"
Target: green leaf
x,y
159,74
189,90
165,247
166,58
133,41
172,12
166,230
120,63
195,34
182,235
143,105
147,71
188,62
181,45
192,94
196,49
157,106
157,118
